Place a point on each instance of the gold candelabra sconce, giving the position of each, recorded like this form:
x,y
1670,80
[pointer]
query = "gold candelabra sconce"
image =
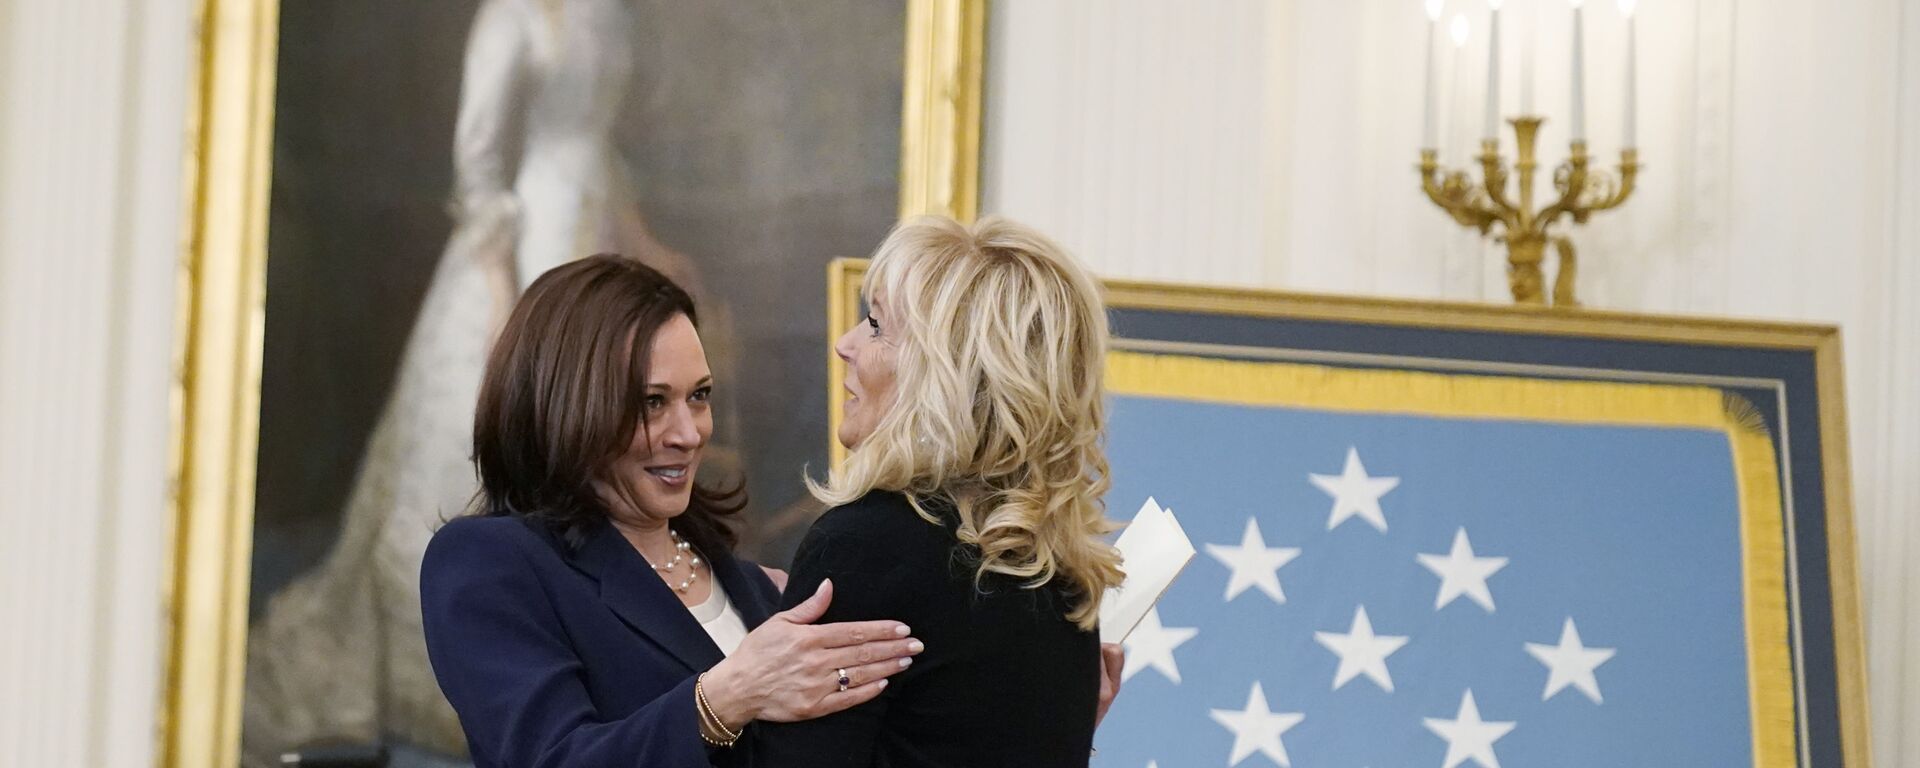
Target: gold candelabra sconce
x,y
1527,230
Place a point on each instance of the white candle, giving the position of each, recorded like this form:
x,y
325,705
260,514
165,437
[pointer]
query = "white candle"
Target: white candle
x,y
1577,126
1626,7
1456,122
1530,27
1429,136
1492,132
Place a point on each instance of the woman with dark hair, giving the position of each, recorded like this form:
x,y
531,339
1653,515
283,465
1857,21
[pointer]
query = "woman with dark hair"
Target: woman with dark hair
x,y
590,612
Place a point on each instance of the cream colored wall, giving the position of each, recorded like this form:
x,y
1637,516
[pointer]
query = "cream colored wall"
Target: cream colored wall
x,y
1133,131
92,114
1273,143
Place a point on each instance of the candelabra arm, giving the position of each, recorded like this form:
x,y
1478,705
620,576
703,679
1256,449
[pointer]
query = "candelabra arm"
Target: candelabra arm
x,y
1571,181
1629,171
1493,173
1452,191
1430,178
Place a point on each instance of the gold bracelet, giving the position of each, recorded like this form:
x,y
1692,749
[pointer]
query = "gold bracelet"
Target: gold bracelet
x,y
708,719
710,723
700,692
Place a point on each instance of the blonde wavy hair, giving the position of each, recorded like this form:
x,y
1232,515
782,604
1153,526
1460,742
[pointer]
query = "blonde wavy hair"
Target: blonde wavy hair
x,y
997,401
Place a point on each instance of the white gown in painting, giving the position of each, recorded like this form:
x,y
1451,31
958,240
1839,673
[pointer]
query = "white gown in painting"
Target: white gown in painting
x,y
338,655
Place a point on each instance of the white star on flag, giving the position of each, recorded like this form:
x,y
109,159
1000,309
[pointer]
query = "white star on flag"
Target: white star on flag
x,y
1361,651
1570,663
1463,574
1469,737
1257,728
1254,563
1354,493
1151,645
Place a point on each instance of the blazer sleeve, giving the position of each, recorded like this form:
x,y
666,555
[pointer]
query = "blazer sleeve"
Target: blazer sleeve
x,y
844,739
505,664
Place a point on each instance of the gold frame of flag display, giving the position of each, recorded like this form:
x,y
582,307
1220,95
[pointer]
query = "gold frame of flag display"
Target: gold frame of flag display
x,y
1805,659
220,326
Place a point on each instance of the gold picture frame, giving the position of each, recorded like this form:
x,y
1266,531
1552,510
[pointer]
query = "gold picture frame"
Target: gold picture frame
x,y
215,396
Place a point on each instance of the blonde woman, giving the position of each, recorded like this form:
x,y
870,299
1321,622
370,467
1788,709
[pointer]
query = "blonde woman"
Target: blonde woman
x,y
970,506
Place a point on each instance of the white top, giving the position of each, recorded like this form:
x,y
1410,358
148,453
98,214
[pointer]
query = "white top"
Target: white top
x,y
718,617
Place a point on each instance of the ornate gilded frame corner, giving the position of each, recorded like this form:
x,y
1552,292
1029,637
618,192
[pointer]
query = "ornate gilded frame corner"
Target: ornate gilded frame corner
x,y
940,108
216,389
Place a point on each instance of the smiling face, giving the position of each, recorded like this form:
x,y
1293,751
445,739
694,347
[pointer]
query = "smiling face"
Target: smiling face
x,y
677,419
869,349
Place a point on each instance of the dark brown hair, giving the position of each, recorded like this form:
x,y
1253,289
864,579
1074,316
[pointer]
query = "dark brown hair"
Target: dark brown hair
x,y
564,391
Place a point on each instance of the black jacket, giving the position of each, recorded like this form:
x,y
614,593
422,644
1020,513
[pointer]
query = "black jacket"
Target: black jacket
x,y
1006,679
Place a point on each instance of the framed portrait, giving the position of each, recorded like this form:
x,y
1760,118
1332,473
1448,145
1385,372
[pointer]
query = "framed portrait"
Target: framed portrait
x,y
375,183
1429,532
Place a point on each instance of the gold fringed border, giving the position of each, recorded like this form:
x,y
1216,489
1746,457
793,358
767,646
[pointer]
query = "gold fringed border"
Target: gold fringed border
x,y
1764,561
1462,396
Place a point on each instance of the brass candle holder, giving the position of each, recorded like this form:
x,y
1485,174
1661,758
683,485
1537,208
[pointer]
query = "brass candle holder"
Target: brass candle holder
x,y
1582,192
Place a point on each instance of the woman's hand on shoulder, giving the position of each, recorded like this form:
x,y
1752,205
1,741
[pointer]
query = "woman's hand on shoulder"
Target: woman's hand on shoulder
x,y
789,669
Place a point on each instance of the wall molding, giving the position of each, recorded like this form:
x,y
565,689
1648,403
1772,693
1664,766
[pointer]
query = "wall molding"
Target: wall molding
x,y
90,146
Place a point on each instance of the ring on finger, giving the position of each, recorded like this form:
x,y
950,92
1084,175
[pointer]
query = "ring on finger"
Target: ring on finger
x,y
844,681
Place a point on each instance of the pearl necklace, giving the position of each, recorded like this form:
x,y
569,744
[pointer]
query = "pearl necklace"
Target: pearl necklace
x,y
681,551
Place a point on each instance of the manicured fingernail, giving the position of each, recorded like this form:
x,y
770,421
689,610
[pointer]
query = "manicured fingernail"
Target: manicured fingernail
x,y
882,683
903,630
904,663
824,583
916,647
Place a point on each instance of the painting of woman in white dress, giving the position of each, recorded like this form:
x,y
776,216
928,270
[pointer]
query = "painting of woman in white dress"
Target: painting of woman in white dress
x,y
737,148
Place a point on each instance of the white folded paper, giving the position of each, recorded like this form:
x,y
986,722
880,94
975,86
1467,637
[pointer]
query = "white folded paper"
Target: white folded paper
x,y
1153,549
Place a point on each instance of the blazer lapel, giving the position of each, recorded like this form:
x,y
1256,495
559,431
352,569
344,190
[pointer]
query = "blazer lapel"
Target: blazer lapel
x,y
630,587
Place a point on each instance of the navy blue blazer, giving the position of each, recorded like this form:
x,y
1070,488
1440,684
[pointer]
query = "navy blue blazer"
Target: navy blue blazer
x,y
568,658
